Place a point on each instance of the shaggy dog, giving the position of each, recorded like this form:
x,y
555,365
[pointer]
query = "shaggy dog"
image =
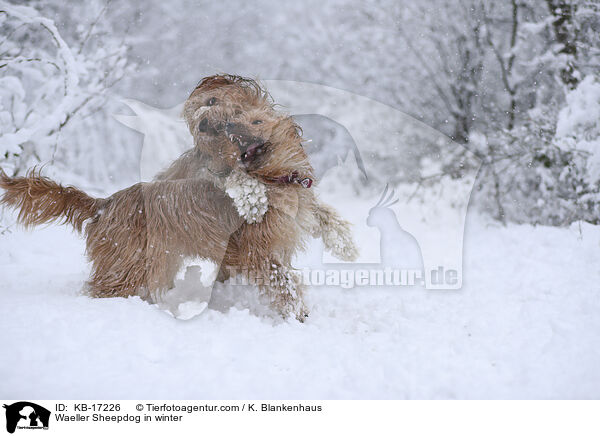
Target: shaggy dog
x,y
225,110
241,197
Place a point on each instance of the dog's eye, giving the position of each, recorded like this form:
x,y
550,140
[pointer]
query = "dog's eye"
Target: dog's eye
x,y
257,122
211,101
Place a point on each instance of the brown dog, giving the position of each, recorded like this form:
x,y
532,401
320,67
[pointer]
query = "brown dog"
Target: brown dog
x,y
225,111
241,198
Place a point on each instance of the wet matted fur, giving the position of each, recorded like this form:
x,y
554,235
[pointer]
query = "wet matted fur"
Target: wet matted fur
x,y
138,238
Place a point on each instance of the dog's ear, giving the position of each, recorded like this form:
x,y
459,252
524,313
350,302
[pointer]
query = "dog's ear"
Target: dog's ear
x,y
291,129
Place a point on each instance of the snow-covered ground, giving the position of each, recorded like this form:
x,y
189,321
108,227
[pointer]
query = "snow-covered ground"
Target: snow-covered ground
x,y
524,325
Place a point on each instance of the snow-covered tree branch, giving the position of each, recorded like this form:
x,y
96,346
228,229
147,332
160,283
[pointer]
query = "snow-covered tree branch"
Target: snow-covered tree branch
x,y
45,82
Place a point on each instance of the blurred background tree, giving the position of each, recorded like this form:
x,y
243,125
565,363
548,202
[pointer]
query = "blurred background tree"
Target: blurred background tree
x,y
515,83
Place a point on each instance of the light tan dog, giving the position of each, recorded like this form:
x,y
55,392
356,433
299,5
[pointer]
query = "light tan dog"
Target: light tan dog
x,y
241,198
224,111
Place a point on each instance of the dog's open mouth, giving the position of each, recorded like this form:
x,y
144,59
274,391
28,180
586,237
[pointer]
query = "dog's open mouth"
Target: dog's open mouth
x,y
250,146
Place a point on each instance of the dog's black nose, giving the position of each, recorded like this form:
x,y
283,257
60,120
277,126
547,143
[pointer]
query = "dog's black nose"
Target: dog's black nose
x,y
230,126
203,125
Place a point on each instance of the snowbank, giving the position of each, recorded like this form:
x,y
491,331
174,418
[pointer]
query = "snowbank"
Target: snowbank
x,y
525,325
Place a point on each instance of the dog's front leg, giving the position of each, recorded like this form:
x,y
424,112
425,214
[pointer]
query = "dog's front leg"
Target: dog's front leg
x,y
335,232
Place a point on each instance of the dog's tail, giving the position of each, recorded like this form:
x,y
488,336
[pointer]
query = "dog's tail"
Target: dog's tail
x,y
41,200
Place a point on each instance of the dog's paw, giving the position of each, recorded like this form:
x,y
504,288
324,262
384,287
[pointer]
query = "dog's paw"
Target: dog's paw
x,y
249,196
338,241
286,291
288,306
342,249
301,313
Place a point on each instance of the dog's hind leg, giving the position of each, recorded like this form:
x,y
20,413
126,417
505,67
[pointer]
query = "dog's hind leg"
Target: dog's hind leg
x,y
285,291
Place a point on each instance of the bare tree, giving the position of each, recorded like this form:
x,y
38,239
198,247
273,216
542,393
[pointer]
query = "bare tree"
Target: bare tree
x,y
565,34
452,61
506,58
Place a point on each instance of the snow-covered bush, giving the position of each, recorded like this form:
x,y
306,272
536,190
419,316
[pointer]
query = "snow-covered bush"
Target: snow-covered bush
x,y
547,170
47,80
578,136
54,106
539,158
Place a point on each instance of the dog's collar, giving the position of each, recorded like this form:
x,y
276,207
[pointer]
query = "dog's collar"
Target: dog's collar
x,y
305,182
